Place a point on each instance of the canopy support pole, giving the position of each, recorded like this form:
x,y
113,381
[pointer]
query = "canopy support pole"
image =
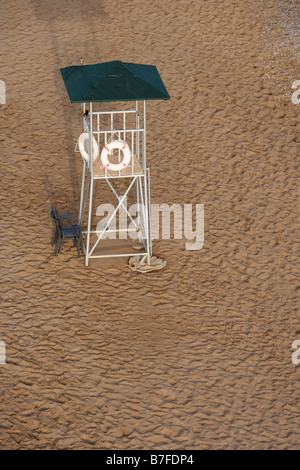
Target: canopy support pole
x,y
91,189
147,224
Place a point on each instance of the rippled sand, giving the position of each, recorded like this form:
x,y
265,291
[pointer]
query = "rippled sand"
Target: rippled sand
x,y
197,355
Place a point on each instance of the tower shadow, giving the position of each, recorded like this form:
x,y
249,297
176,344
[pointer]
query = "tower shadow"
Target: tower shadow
x,y
48,16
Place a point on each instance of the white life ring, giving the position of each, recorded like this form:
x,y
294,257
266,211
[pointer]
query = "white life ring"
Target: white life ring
x,y
85,136
116,144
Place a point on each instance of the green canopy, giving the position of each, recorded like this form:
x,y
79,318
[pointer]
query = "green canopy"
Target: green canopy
x,y
113,81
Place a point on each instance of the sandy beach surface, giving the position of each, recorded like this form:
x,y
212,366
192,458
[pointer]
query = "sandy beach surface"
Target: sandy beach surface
x,y
198,355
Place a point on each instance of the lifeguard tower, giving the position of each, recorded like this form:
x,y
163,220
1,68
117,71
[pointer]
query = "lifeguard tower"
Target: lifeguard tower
x,y
113,143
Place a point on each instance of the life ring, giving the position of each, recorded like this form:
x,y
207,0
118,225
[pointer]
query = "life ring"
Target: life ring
x,y
116,144
85,136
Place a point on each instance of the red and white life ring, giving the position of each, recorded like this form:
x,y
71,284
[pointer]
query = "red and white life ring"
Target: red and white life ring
x,y
116,144
83,138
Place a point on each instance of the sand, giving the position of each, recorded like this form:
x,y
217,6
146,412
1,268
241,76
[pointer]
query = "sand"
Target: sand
x,y
197,356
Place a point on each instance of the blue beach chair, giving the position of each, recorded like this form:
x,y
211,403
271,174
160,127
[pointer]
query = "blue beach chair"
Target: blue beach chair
x,y
63,230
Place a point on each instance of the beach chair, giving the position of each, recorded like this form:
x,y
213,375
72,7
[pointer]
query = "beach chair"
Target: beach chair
x,y
63,230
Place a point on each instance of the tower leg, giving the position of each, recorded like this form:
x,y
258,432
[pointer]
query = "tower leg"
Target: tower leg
x,y
81,195
147,232
87,249
149,213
